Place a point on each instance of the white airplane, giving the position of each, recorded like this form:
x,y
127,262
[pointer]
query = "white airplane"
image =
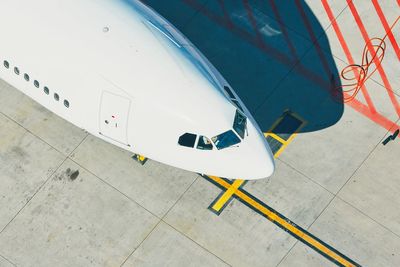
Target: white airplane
x,y
123,73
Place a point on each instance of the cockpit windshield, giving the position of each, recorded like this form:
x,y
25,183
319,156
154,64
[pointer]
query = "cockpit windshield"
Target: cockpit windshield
x,y
226,139
240,123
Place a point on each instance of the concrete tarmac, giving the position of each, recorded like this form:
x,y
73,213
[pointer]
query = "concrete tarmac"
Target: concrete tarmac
x,y
70,199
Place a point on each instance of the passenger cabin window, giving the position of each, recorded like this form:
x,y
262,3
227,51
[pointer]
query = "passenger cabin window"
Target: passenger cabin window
x,y
226,139
204,143
66,103
46,90
240,123
26,77
16,70
6,64
56,97
36,83
187,140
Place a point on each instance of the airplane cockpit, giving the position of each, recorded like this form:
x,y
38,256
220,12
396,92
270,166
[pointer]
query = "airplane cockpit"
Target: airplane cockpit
x,y
226,139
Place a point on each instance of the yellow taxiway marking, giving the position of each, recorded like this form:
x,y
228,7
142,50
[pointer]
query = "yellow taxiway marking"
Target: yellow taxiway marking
x,y
234,190
139,158
223,199
285,224
227,195
284,142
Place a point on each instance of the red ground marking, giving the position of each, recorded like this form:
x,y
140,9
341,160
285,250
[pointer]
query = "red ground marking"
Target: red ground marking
x,y
398,2
271,51
317,79
278,55
372,52
375,117
253,22
283,29
313,39
347,52
226,14
387,27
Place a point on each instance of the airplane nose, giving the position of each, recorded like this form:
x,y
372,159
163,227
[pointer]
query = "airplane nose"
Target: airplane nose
x,y
263,159
265,162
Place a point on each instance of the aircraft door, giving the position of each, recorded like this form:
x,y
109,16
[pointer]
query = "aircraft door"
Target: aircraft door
x,y
114,117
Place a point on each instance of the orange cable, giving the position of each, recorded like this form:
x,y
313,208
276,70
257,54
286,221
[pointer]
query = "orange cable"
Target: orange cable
x,y
362,72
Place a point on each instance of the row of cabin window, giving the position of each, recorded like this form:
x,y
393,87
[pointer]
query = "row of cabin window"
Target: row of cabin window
x,y
35,83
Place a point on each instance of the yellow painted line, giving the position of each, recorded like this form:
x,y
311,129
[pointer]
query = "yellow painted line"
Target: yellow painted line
x,y
284,223
277,137
227,195
280,150
235,190
284,142
301,234
222,200
139,158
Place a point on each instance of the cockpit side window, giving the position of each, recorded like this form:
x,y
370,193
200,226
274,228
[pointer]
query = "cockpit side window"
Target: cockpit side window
x,y
240,123
187,139
229,92
232,97
204,143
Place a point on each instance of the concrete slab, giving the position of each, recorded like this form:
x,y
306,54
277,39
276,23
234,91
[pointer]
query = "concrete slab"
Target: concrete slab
x,y
155,186
374,28
303,256
357,236
374,188
379,96
331,156
54,130
5,263
26,163
76,221
306,91
167,247
239,236
292,194
318,10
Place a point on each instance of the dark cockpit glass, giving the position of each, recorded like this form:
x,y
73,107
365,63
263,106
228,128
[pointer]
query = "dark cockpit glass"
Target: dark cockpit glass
x,y
187,139
240,123
204,143
226,139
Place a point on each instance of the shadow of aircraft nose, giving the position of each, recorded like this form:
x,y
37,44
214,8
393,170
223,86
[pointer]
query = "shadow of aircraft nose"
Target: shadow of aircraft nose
x,y
274,54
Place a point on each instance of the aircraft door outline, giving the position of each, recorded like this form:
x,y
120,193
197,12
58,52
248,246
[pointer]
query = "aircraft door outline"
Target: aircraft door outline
x,y
114,117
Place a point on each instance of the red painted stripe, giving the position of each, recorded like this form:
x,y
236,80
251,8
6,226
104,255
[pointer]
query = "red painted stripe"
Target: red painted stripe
x,y
273,52
398,2
314,39
226,14
253,22
283,29
277,55
375,117
347,52
387,27
372,52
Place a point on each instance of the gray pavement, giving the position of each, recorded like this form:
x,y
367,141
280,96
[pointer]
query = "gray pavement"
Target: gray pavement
x,y
70,199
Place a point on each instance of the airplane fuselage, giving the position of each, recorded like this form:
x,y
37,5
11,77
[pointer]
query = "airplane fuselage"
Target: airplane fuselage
x,y
124,74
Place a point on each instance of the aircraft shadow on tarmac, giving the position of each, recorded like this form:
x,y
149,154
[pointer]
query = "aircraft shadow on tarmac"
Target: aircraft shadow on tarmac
x,y
265,50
